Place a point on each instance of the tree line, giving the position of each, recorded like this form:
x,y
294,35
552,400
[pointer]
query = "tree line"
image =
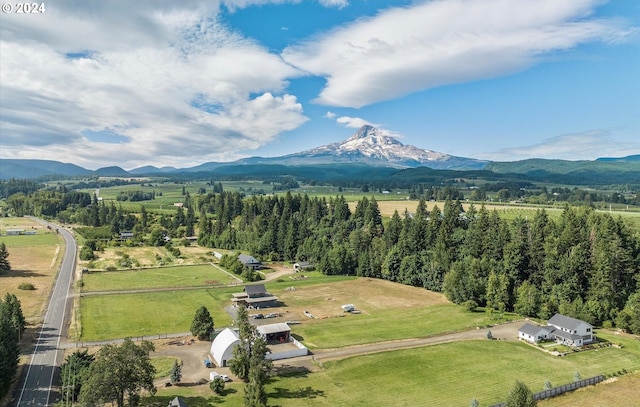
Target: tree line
x,y
581,263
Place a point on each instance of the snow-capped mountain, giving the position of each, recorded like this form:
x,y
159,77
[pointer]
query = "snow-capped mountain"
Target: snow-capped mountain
x,y
371,146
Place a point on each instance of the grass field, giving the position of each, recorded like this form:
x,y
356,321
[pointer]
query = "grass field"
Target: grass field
x,y
179,276
442,375
141,314
616,392
413,312
35,260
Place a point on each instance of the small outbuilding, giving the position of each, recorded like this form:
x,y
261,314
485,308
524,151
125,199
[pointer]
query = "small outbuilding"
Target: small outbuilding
x,y
222,347
303,266
178,402
275,332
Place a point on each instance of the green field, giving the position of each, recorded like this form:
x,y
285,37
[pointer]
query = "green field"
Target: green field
x,y
141,314
41,239
375,327
162,277
442,375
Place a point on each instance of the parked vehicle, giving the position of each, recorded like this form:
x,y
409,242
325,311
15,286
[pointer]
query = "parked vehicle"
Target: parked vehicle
x,y
213,375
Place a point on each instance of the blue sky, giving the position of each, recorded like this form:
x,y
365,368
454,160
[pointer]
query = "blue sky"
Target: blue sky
x,y
182,83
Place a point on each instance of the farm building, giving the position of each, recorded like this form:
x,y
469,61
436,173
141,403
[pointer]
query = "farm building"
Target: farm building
x,y
249,261
178,402
275,332
562,329
303,266
222,347
255,296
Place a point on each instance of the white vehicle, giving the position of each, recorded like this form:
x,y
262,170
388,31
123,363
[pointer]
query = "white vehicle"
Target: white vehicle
x,y
213,375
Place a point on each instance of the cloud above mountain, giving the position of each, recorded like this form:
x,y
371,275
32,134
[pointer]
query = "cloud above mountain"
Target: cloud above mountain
x,y
428,44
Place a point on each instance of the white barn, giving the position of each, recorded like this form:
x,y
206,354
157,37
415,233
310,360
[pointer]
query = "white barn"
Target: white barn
x,y
222,346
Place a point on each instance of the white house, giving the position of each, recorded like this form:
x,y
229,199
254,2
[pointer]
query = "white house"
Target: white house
x,y
562,329
222,346
571,331
534,333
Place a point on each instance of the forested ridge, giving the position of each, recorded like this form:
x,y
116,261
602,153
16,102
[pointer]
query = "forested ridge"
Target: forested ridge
x,y
581,263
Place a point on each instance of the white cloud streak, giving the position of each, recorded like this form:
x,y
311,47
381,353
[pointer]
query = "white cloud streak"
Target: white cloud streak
x,y
168,78
587,145
435,43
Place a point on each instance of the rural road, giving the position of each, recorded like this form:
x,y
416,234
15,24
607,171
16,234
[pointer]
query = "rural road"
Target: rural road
x,y
507,331
35,388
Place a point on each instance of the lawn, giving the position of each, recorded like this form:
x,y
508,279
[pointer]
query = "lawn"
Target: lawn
x,y
443,375
179,276
142,314
413,312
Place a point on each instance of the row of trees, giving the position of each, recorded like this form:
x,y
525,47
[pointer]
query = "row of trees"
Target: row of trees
x,y
12,326
582,263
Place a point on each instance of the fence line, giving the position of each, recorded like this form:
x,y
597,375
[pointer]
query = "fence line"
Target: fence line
x,y
556,391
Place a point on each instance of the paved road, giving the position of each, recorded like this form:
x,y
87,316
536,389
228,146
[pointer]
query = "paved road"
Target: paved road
x,y
36,387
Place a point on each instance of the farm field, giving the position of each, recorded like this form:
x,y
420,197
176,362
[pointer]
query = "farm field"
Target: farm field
x,y
444,375
163,277
617,392
413,312
148,256
34,260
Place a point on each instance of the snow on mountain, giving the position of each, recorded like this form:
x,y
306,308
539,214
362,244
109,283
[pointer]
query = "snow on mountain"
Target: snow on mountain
x,y
371,146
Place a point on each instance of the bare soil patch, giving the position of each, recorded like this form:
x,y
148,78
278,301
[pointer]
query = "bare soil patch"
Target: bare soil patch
x,y
36,265
368,295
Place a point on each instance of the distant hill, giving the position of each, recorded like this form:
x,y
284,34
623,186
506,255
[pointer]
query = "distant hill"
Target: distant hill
x,y
629,158
29,169
151,170
111,172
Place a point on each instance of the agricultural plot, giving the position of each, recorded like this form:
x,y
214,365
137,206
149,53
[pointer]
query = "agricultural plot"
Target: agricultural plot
x,y
34,260
443,375
148,257
615,392
387,311
163,277
131,315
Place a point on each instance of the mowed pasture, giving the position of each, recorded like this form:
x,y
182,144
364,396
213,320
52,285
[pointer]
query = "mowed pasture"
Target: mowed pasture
x,y
615,392
160,277
443,375
388,311
34,259
112,316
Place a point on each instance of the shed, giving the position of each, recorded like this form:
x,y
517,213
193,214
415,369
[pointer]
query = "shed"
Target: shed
x,y
302,266
275,332
178,402
222,347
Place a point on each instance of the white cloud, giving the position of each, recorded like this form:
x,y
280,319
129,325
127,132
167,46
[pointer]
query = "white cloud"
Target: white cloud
x,y
354,122
587,145
406,49
167,77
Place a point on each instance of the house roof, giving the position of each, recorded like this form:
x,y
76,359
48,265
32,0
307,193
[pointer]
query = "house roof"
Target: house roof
x,y
566,335
530,329
255,289
273,328
566,322
246,259
178,402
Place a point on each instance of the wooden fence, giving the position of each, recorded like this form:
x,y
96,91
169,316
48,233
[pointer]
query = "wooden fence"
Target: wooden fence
x,y
556,391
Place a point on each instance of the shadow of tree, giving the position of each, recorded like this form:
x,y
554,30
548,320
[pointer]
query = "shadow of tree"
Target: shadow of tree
x,y
300,393
298,337
192,401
